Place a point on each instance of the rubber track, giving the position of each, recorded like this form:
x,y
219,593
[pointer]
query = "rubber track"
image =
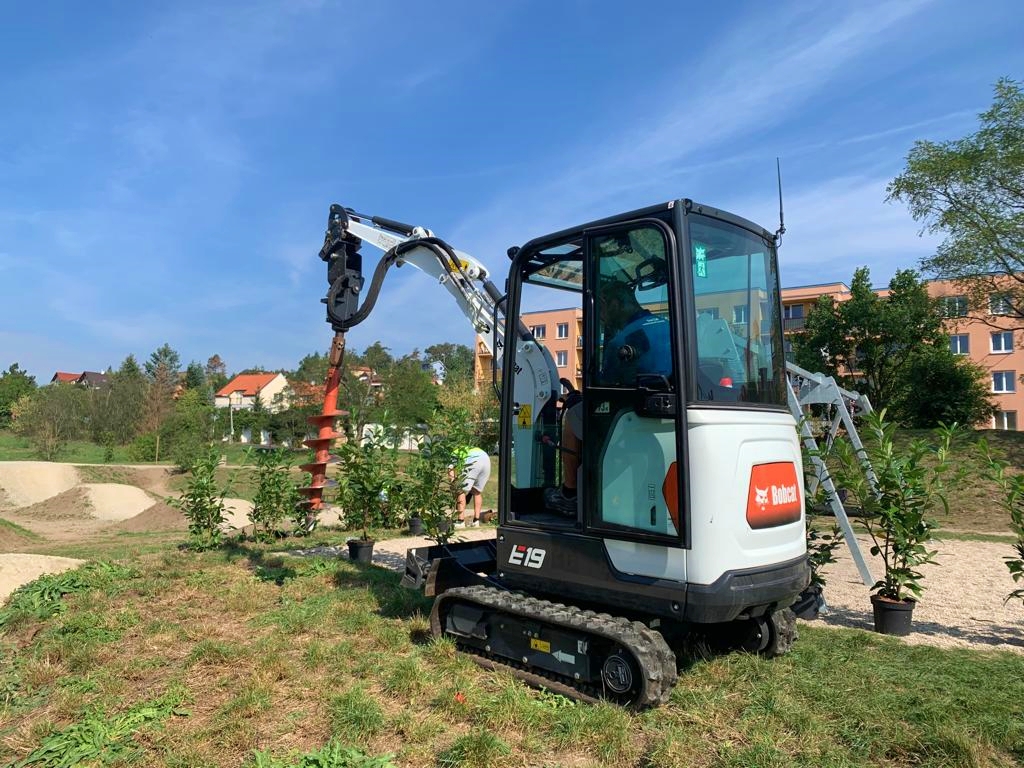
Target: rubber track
x,y
648,647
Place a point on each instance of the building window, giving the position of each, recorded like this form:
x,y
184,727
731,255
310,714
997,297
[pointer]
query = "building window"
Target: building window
x,y
539,331
739,313
563,330
1005,420
959,344
793,311
711,312
562,359
1004,381
954,306
999,304
1002,341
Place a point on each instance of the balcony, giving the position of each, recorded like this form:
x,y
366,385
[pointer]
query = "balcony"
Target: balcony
x,y
793,323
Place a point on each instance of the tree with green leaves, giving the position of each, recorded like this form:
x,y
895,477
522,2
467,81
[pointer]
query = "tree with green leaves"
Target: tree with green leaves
x,y
971,191
164,357
312,369
49,417
127,402
216,372
377,357
883,346
14,383
195,376
457,360
410,395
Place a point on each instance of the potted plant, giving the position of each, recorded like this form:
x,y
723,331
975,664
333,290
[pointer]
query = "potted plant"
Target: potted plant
x,y
898,491
366,477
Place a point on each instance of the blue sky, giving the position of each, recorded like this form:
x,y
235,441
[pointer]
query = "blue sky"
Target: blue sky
x,y
166,169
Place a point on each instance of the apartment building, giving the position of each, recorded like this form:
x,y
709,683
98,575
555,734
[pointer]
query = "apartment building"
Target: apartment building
x,y
560,330
987,336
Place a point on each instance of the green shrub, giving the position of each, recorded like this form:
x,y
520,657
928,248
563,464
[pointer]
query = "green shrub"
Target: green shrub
x,y
276,494
202,503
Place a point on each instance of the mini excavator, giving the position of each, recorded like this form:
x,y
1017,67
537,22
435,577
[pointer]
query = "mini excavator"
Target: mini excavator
x,y
689,513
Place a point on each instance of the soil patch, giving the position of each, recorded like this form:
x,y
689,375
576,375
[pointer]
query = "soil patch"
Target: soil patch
x,y
25,483
11,540
72,504
17,569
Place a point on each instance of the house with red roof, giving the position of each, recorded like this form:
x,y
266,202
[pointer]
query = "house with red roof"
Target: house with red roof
x,y
62,377
241,392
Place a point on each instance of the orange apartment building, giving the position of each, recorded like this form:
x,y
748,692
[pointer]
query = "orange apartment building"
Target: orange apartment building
x,y
561,331
988,338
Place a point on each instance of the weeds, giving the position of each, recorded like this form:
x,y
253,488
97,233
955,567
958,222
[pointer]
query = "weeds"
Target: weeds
x,y
40,599
99,739
333,755
478,749
355,715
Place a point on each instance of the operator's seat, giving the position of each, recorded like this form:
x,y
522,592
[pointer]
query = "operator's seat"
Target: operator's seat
x,y
713,384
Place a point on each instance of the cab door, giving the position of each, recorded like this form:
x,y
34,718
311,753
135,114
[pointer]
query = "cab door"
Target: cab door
x,y
633,407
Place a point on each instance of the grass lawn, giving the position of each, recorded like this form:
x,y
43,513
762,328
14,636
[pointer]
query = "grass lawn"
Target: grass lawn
x,y
244,657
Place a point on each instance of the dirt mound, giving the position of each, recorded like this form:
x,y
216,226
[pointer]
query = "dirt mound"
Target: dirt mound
x,y
159,517
25,483
11,540
115,501
72,504
16,570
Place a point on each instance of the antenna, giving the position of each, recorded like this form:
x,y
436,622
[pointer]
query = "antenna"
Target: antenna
x,y
782,222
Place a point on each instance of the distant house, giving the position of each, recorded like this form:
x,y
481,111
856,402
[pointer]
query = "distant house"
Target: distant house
x,y
60,377
241,392
306,395
92,379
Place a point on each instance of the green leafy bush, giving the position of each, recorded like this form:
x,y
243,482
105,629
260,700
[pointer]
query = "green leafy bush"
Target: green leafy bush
x,y
276,494
369,473
202,503
897,494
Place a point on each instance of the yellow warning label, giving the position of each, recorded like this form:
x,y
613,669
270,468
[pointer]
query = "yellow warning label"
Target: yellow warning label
x,y
540,645
525,416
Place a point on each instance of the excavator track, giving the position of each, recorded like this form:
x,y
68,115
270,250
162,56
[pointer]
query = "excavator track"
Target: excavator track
x,y
580,654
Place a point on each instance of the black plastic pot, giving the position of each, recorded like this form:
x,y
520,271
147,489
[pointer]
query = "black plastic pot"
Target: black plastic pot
x,y
360,550
892,617
416,526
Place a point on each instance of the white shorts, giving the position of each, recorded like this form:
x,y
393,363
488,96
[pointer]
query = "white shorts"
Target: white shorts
x,y
478,471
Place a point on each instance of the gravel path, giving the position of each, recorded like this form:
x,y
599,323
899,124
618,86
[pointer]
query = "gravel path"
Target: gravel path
x,y
962,605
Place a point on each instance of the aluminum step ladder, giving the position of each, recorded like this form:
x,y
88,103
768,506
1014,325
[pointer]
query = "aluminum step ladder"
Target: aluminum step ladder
x,y
806,389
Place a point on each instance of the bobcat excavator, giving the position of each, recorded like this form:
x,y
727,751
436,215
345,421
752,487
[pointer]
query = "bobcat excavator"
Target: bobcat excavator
x,y
689,514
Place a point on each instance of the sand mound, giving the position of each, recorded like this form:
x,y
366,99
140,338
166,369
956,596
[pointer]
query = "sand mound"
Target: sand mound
x,y
159,517
25,483
16,570
116,502
236,513
72,504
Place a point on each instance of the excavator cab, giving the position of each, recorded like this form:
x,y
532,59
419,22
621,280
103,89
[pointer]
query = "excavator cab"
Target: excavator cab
x,y
679,309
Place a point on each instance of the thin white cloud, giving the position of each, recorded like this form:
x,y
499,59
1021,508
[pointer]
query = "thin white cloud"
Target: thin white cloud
x,y
739,90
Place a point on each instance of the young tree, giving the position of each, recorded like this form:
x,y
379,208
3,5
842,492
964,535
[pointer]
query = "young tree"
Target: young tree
x,y
14,383
162,371
971,190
